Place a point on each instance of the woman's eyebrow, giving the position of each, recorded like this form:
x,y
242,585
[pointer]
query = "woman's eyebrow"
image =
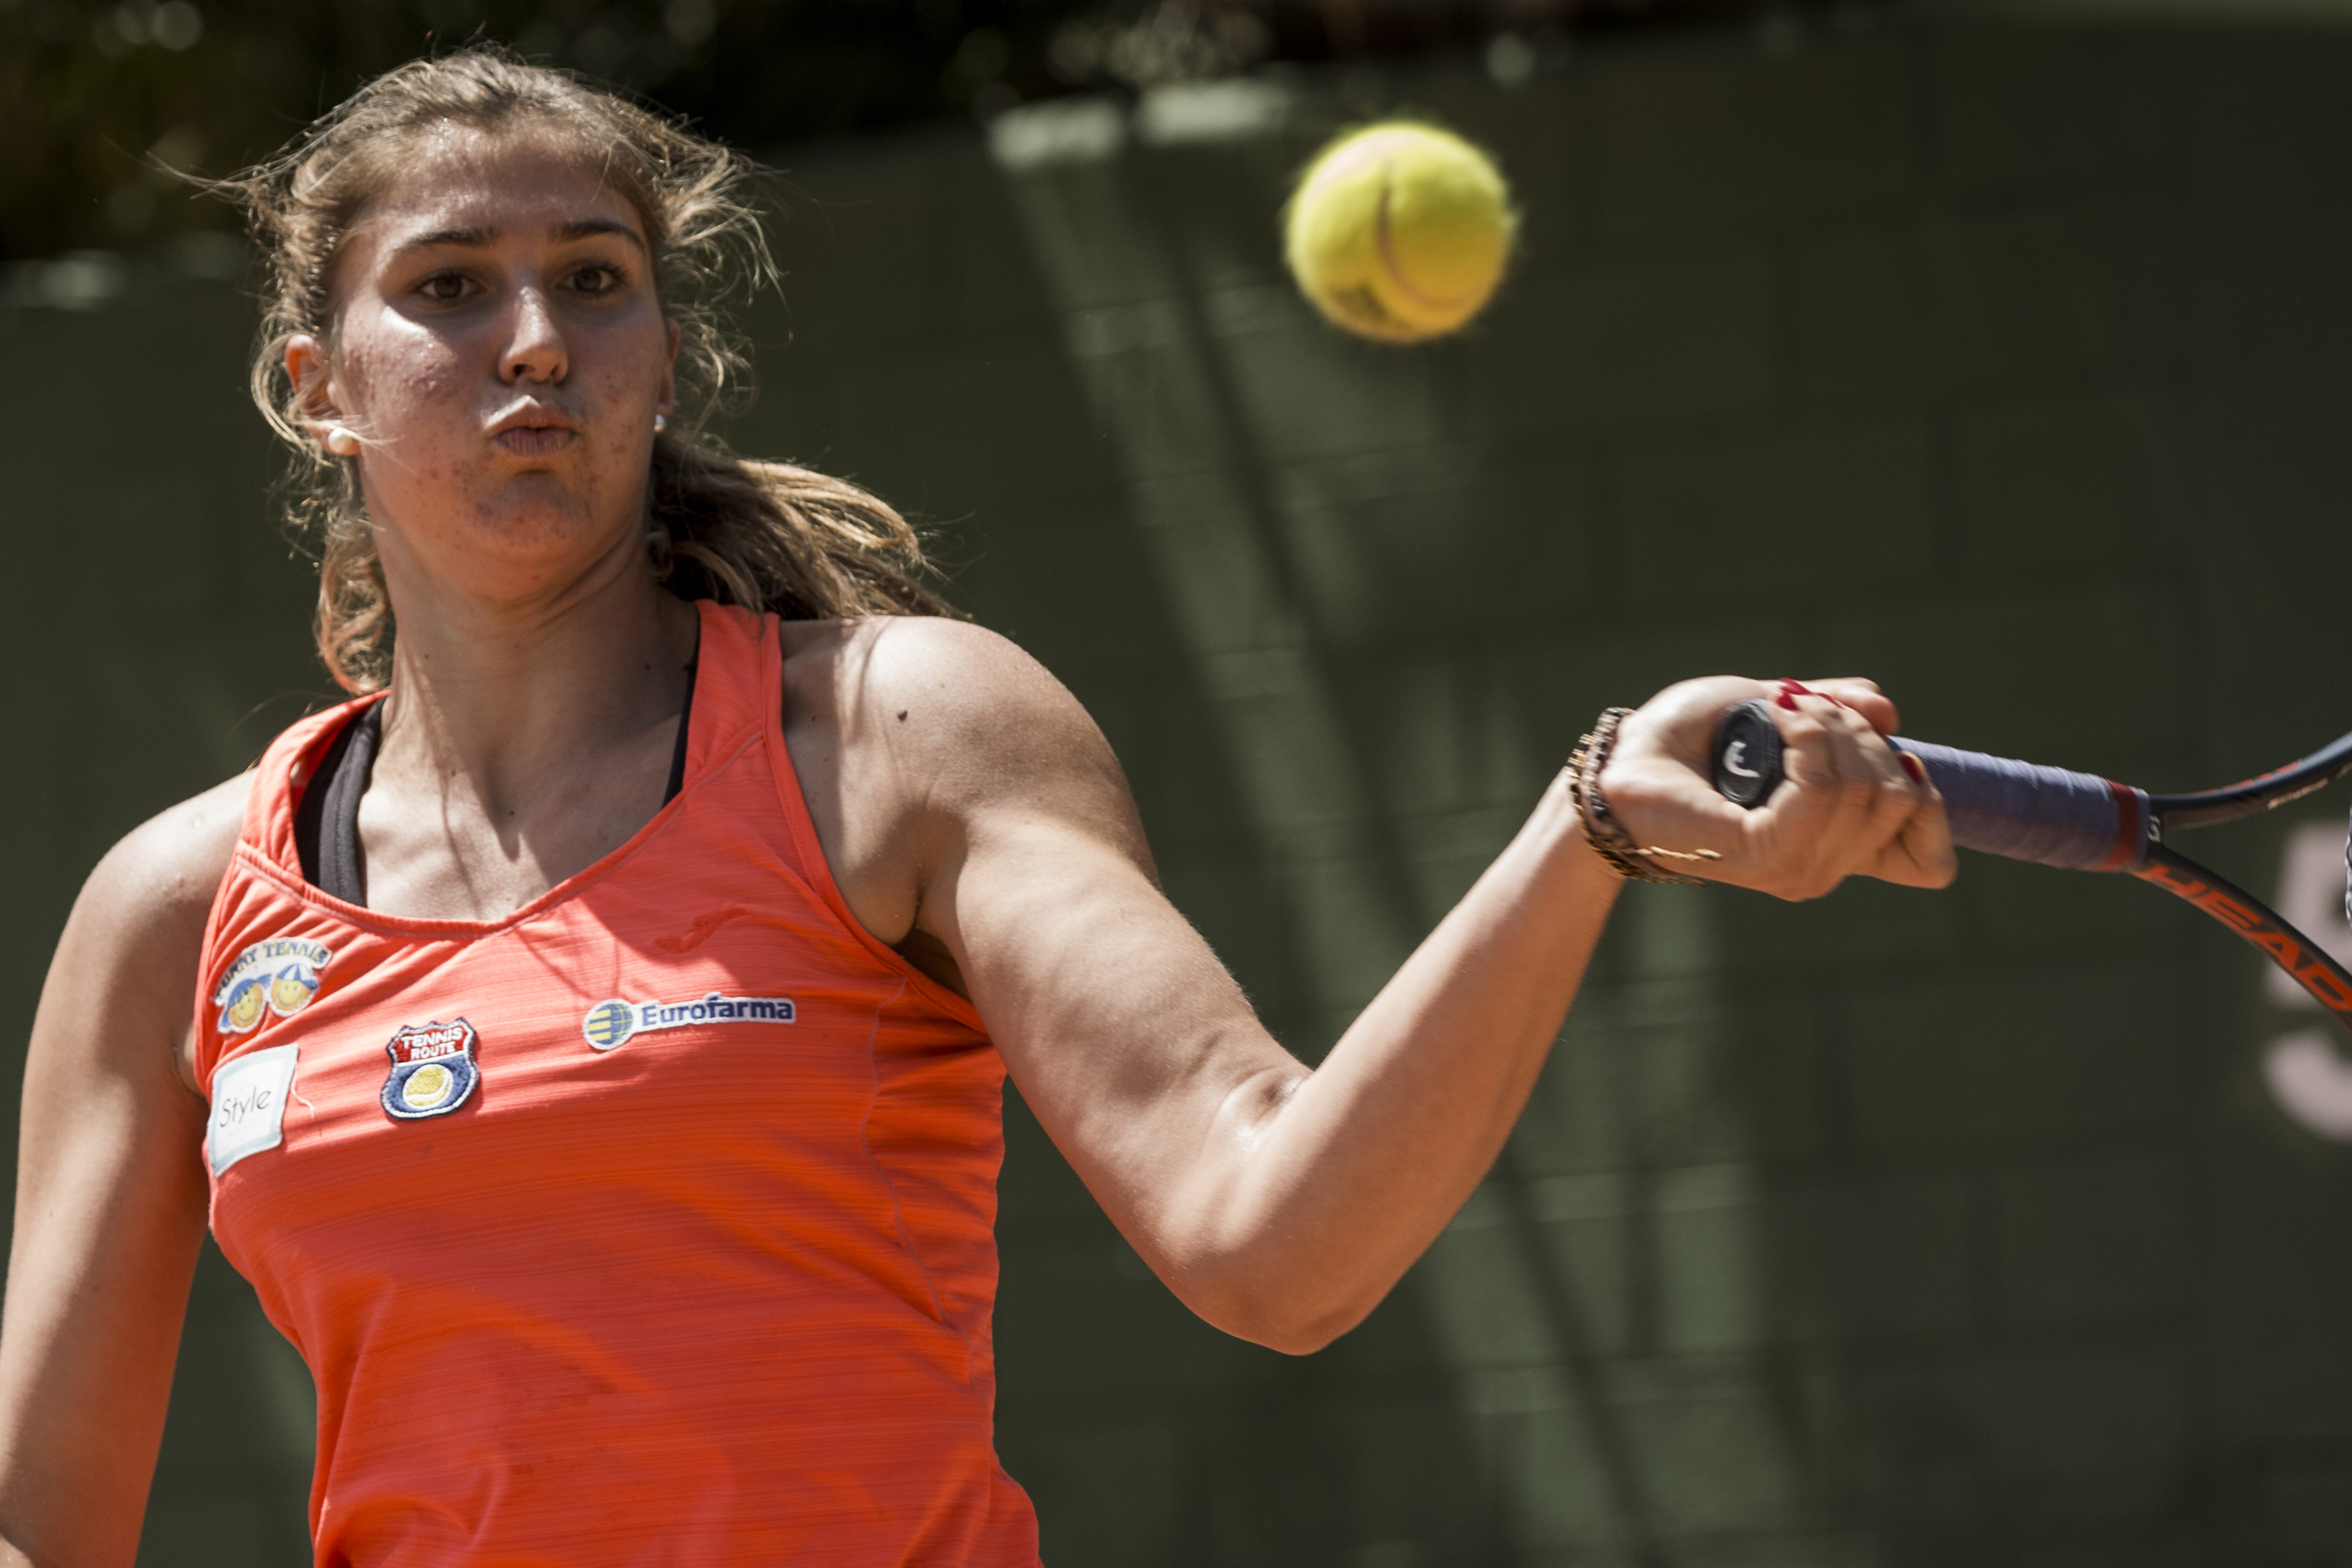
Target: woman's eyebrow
x,y
472,238
588,228
475,238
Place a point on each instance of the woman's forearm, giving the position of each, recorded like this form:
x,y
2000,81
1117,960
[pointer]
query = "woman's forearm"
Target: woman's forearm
x,y
1314,1206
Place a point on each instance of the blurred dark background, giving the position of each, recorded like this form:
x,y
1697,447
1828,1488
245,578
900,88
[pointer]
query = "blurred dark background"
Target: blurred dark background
x,y
1995,350
98,103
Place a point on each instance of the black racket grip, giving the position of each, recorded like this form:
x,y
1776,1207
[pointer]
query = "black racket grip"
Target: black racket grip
x,y
2078,822
1746,756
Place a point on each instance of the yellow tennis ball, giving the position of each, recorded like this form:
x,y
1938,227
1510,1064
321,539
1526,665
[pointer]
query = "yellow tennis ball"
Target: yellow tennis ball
x,y
1399,231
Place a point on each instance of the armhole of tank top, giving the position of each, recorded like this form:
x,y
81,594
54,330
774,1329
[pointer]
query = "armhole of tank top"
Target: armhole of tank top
x,y
203,1044
252,831
815,870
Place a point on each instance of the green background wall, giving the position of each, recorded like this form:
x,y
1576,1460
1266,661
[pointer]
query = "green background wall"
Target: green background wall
x,y
2002,363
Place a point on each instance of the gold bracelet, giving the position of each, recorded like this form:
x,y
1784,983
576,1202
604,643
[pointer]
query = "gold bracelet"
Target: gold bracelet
x,y
1609,841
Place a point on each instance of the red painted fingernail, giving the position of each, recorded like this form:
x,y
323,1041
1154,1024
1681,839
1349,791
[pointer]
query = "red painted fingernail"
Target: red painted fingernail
x,y
1799,688
1786,700
1913,766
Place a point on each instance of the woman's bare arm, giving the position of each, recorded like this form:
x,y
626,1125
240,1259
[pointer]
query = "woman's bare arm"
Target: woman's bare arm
x,y
1282,1203
109,1196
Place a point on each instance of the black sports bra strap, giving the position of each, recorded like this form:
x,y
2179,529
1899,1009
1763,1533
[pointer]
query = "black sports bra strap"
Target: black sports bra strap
x,y
685,721
327,822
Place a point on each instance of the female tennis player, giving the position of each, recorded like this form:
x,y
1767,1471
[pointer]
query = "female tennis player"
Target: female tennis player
x,y
599,1023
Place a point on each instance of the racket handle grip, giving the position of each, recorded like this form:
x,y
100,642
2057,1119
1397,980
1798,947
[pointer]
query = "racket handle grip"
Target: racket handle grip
x,y
2078,822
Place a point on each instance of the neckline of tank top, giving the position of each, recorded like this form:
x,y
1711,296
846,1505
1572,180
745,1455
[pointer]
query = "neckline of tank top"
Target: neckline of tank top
x,y
327,817
328,822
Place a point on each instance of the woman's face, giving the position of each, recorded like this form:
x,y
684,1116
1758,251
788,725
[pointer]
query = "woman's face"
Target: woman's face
x,y
501,351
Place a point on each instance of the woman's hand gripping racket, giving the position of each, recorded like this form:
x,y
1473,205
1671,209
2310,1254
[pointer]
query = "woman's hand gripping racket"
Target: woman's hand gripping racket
x,y
2083,823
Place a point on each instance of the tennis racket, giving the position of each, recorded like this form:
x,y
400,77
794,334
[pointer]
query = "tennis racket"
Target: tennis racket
x,y
2080,822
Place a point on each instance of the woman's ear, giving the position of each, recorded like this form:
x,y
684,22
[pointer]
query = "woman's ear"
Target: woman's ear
x,y
670,375
314,395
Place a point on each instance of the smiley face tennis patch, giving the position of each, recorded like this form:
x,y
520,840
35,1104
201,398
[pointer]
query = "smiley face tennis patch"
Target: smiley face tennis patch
x,y
433,1069
270,979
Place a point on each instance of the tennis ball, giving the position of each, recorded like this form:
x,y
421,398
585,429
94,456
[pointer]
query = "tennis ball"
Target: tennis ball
x,y
1399,231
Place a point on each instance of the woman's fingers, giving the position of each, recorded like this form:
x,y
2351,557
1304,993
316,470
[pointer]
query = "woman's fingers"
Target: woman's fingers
x,y
1921,855
1864,697
1851,804
1848,797
1798,833
1893,789
1919,852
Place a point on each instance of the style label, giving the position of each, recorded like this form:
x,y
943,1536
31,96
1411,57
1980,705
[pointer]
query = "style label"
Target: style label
x,y
249,1098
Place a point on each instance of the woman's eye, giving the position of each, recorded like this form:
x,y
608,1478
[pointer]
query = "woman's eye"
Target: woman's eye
x,y
445,287
596,280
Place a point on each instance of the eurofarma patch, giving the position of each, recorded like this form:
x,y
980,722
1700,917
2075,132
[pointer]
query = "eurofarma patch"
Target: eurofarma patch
x,y
610,1023
433,1069
270,979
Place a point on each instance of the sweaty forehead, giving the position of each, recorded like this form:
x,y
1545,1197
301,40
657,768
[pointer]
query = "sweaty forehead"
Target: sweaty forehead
x,y
458,178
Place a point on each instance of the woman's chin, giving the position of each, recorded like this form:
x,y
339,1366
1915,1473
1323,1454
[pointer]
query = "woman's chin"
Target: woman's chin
x,y
500,552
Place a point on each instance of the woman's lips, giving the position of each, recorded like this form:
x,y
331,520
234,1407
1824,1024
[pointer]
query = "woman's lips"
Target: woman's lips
x,y
536,440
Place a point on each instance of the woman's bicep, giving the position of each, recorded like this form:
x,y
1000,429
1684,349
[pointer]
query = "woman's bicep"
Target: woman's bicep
x,y
1126,1036
1136,1048
109,1205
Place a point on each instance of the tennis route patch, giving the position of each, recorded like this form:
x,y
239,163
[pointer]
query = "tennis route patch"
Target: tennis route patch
x,y
433,1070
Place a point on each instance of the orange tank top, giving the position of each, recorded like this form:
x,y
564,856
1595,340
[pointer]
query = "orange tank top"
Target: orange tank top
x,y
650,1225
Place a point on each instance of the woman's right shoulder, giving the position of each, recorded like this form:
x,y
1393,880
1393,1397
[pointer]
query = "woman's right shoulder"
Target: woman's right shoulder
x,y
172,863
136,935
143,910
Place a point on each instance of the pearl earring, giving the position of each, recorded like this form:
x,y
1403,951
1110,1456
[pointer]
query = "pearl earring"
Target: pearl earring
x,y
660,424
343,443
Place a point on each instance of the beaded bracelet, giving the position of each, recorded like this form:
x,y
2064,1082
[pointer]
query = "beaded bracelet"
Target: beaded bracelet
x,y
1609,839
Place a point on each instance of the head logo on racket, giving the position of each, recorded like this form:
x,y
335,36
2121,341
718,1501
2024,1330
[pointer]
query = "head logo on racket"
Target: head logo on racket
x,y
270,979
433,1070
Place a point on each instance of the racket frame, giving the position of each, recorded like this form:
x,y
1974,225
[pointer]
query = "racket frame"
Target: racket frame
x,y
2252,922
2263,792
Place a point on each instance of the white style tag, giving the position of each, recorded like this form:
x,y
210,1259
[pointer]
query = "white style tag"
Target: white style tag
x,y
250,1105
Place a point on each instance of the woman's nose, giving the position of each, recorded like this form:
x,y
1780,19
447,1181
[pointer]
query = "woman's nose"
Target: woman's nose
x,y
534,349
